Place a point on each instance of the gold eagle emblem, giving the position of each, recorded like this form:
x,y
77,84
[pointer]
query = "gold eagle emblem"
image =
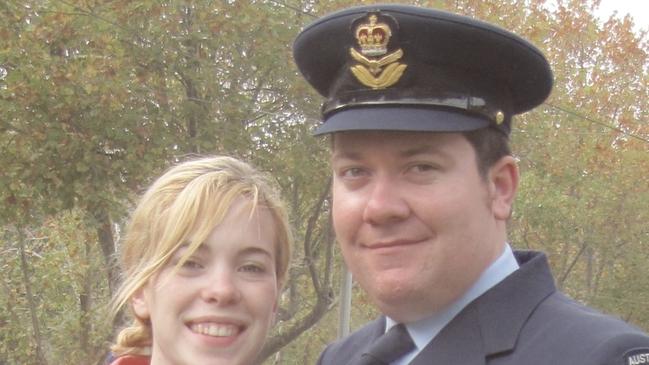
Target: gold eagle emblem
x,y
375,70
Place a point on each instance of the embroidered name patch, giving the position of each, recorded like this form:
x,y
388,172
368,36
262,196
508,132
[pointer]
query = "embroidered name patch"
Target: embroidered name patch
x,y
637,357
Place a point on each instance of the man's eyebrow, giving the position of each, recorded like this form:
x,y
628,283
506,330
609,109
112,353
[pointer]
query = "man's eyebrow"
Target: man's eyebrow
x,y
345,154
418,150
405,153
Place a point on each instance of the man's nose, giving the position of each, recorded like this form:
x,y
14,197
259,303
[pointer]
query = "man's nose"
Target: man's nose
x,y
385,203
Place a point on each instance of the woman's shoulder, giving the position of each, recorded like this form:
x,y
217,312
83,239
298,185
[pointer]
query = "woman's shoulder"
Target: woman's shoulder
x,y
131,360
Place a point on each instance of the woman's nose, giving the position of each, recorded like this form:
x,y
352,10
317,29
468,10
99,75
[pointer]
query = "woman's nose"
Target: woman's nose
x,y
220,287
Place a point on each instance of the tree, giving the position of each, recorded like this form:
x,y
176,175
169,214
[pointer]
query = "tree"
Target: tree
x,y
101,96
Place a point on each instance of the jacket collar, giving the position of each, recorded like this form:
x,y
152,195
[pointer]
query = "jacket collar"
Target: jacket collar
x,y
492,323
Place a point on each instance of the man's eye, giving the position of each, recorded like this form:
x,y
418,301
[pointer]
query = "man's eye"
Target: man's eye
x,y
353,172
423,168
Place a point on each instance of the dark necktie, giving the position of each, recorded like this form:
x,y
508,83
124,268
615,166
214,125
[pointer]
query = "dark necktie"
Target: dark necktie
x,y
389,347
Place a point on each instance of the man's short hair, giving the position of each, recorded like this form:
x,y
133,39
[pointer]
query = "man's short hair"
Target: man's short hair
x,y
490,145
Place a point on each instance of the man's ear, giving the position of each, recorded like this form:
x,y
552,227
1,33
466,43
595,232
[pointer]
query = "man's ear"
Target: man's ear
x,y
140,305
503,184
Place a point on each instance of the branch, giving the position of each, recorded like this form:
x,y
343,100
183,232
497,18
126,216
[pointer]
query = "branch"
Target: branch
x,y
308,242
325,298
24,267
572,265
297,10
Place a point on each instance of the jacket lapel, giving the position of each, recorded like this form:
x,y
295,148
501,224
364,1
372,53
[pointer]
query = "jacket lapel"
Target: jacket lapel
x,y
490,325
460,342
363,340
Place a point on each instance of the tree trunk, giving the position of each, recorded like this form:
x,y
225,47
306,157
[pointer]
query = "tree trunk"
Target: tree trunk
x,y
84,304
31,303
106,240
320,278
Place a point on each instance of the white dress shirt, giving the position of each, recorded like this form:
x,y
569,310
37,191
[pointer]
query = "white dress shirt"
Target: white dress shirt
x,y
423,331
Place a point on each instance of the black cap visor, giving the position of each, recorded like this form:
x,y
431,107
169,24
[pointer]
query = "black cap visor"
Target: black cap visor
x,y
401,118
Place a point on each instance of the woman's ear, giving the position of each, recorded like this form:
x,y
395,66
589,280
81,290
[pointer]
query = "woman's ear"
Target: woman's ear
x,y
140,305
503,184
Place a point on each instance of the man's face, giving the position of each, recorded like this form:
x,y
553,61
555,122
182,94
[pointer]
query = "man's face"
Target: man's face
x,y
416,222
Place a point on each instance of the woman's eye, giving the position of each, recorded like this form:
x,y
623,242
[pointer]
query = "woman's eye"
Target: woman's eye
x,y
252,268
192,265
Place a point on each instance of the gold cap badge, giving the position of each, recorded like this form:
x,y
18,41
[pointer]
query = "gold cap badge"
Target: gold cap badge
x,y
375,70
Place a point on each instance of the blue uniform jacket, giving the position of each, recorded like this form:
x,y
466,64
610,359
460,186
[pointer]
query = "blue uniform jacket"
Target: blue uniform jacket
x,y
521,320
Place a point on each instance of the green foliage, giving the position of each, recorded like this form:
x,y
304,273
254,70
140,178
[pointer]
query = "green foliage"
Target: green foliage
x,y
582,179
65,287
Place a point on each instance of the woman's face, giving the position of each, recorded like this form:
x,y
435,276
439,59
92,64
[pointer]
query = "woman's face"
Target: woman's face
x,y
218,307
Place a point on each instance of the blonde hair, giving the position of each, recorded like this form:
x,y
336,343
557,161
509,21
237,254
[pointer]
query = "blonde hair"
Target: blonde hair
x,y
182,207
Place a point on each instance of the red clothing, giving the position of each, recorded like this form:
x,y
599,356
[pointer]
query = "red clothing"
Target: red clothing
x,y
132,360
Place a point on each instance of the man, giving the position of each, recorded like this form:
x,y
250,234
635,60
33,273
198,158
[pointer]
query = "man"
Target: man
x,y
419,109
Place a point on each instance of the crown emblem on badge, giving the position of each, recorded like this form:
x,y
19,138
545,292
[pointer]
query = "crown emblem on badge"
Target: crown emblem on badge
x,y
375,70
373,38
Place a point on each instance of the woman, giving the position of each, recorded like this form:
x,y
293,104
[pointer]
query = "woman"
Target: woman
x,y
205,255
